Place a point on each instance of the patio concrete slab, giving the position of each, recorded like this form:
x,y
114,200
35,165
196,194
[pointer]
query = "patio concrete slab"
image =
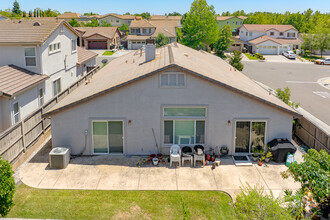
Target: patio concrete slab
x,y
51,177
33,173
195,178
157,178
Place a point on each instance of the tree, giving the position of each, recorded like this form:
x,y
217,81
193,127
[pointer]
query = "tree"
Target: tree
x,y
255,203
127,13
105,23
309,42
24,14
35,13
93,23
174,14
200,26
7,187
322,40
91,13
30,14
51,13
74,23
16,9
145,15
285,95
162,40
224,41
123,27
314,176
235,60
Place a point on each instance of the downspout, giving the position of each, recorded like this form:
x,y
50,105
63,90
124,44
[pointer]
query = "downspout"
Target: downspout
x,y
40,59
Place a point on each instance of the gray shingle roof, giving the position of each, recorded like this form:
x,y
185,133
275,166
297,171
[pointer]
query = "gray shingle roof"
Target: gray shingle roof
x,y
132,67
14,79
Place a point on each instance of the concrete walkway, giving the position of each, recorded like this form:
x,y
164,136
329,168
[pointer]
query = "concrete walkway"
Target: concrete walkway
x,y
121,173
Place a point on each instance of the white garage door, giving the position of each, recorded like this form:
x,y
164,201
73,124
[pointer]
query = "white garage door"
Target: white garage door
x,y
137,45
267,50
283,49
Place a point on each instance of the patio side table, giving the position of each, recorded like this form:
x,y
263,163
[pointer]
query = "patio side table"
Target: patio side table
x,y
187,157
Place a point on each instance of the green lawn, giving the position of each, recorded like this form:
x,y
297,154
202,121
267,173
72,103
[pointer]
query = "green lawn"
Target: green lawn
x,y
92,204
250,56
108,53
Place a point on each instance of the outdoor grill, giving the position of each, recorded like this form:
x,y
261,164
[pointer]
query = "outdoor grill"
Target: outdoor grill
x,y
280,148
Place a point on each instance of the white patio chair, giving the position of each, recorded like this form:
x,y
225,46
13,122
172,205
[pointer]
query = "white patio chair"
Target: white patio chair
x,y
199,156
175,154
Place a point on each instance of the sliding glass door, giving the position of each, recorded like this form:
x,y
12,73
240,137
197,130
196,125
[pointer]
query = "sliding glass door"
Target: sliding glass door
x,y
250,135
108,137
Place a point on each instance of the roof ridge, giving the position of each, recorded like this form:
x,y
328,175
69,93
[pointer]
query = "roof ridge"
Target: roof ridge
x,y
170,54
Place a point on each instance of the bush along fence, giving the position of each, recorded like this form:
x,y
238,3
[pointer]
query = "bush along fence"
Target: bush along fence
x,y
17,139
311,135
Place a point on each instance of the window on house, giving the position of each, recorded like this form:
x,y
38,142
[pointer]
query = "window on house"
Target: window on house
x,y
281,34
236,22
271,33
250,34
30,56
172,79
186,126
16,113
56,87
241,22
246,33
73,45
41,97
52,48
227,22
117,21
291,34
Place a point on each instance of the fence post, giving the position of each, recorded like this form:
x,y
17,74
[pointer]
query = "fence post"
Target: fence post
x,y
42,120
23,135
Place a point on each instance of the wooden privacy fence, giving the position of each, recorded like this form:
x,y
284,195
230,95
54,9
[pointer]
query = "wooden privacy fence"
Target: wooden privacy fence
x,y
19,138
312,135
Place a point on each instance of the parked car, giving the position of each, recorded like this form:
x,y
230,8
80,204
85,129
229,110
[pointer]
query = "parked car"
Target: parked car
x,y
289,54
323,61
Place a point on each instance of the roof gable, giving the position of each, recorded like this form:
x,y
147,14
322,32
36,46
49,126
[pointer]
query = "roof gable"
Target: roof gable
x,y
266,27
132,67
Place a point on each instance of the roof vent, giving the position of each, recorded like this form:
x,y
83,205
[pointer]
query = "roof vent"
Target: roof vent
x,y
36,24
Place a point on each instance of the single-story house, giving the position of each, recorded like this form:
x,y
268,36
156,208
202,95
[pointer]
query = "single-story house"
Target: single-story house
x,y
237,44
86,61
169,95
69,15
269,45
99,37
20,94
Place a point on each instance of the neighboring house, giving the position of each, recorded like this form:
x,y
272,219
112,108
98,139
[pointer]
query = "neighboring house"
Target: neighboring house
x,y
21,92
86,61
237,44
69,15
47,47
166,18
119,20
99,37
269,39
170,95
141,30
233,21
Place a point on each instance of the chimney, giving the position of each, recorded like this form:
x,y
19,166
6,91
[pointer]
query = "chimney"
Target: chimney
x,y
150,50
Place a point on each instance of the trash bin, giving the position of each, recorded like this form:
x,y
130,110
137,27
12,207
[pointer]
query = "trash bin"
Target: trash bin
x,y
280,148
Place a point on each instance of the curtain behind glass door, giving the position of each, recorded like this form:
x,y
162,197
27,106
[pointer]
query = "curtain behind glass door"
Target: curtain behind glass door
x,y
242,141
115,136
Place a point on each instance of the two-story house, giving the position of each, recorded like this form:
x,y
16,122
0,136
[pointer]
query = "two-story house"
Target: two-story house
x,y
233,21
269,38
38,59
141,30
118,20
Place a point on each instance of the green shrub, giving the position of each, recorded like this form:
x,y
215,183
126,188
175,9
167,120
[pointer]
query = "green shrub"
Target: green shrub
x,y
7,187
255,203
294,51
307,52
235,60
257,55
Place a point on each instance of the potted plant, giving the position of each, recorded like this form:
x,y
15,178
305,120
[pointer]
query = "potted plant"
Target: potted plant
x,y
268,156
261,160
255,156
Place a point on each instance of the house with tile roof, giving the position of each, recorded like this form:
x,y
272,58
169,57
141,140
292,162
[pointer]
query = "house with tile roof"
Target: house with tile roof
x,y
269,39
99,37
233,21
118,20
38,59
141,30
172,95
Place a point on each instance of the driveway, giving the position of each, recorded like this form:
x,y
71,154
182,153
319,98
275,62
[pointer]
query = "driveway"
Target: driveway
x,y
121,173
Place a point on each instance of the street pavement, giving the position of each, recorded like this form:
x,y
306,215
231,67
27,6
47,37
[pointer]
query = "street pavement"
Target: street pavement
x,y
302,79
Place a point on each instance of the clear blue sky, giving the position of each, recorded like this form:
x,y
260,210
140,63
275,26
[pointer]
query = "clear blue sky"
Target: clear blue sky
x,y
166,6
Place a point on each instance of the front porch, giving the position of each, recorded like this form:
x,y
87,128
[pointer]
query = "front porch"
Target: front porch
x,y
106,172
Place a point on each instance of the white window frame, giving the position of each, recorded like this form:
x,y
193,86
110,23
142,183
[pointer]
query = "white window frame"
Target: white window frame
x,y
41,99
184,118
250,34
56,80
73,42
168,77
107,121
18,113
35,50
58,48
249,120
